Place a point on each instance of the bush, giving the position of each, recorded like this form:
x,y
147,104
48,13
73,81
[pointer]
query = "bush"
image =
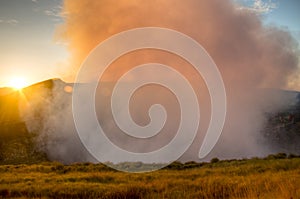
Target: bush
x,y
293,156
280,156
214,160
175,165
276,156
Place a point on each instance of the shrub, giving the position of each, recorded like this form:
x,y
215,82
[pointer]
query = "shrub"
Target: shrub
x,y
293,156
276,156
214,160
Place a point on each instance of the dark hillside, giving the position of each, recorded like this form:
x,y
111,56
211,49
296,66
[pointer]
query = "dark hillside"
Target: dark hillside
x,y
18,141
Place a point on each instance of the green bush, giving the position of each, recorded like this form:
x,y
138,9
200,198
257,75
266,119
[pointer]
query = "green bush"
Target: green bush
x,y
214,160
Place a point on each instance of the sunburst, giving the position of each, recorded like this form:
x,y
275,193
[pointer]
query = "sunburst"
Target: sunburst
x,y
17,83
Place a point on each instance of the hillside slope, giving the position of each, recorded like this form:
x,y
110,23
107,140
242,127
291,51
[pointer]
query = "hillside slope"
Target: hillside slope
x,y
33,128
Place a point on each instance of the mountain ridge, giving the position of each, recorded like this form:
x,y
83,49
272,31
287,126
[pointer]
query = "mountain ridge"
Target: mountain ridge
x,y
282,132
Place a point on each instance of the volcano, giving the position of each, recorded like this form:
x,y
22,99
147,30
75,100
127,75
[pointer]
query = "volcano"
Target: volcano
x,y
23,143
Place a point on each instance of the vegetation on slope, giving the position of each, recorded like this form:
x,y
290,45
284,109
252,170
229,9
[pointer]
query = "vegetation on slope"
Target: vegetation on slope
x,y
255,178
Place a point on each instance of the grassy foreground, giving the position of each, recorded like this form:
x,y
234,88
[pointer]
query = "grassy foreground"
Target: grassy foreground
x,y
255,178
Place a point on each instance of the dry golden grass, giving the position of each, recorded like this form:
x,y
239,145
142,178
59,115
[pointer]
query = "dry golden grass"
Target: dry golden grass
x,y
255,178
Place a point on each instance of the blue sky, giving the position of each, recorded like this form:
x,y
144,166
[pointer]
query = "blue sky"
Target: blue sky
x,y
287,14
27,29
282,13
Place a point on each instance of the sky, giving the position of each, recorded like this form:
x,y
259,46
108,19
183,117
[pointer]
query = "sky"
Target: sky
x,y
27,37
28,27
282,13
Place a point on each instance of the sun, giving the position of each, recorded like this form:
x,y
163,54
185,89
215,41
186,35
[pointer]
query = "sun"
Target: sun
x,y
17,83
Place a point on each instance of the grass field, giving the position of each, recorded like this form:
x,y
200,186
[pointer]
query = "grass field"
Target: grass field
x,y
256,178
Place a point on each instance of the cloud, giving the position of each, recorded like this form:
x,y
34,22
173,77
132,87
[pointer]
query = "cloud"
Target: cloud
x,y
258,6
55,13
9,21
12,21
51,13
34,1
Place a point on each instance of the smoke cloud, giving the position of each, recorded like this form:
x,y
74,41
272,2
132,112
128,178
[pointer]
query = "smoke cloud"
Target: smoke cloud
x,y
251,57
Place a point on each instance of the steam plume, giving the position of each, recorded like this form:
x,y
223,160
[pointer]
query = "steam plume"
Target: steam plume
x,y
249,55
